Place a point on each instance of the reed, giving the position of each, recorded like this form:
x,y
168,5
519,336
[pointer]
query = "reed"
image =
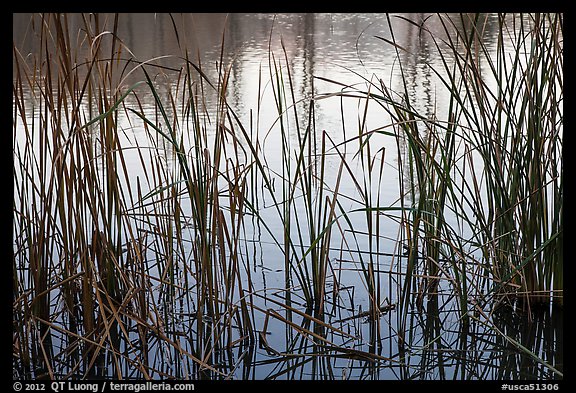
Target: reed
x,y
480,181
123,260
512,201
508,104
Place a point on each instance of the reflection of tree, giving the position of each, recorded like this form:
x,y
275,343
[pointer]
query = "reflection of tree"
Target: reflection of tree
x,y
309,49
418,80
237,54
416,83
308,58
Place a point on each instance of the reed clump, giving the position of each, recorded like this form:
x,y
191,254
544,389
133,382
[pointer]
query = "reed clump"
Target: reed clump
x,y
103,257
145,206
481,180
506,108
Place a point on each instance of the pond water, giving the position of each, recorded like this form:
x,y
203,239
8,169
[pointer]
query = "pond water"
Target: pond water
x,y
318,68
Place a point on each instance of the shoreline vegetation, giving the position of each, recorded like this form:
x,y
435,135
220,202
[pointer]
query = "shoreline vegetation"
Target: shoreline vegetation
x,y
153,275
